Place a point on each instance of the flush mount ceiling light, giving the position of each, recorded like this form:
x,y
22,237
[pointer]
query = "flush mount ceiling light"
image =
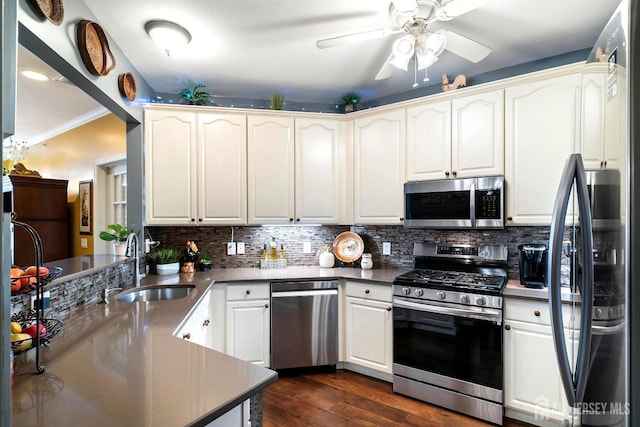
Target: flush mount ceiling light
x,y
167,35
34,75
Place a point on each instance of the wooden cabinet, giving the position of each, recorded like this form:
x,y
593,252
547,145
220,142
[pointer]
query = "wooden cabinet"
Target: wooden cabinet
x,y
197,327
532,385
379,171
195,167
369,326
456,138
541,130
41,203
248,322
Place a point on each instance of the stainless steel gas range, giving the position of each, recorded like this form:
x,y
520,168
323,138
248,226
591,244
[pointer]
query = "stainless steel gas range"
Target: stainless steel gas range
x,y
447,334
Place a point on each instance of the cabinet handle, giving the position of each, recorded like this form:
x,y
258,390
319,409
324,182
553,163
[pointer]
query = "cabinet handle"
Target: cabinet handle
x,y
605,163
601,163
536,313
266,306
507,327
455,173
186,336
248,291
388,308
206,322
509,218
366,291
446,173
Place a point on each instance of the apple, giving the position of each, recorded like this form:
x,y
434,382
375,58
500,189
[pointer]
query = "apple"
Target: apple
x,y
31,330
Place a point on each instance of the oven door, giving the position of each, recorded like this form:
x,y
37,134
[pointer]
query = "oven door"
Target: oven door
x,y
450,346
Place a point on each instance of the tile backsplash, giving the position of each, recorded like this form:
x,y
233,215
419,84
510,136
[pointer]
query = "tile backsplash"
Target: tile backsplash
x,y
212,240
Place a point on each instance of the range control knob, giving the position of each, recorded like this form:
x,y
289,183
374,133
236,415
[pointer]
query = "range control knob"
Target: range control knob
x,y
441,295
418,292
464,299
597,313
406,291
481,301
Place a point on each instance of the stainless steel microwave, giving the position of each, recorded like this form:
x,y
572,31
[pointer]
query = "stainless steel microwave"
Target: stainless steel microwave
x,y
455,203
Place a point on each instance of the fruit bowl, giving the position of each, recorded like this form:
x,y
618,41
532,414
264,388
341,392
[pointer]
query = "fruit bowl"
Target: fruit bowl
x,y
27,318
28,281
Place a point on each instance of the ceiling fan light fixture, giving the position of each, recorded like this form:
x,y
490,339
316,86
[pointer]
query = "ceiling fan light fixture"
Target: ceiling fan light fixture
x,y
403,50
436,43
167,35
426,60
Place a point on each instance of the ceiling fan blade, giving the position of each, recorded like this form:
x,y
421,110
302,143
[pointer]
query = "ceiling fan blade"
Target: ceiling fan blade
x,y
386,70
405,6
465,47
456,8
356,37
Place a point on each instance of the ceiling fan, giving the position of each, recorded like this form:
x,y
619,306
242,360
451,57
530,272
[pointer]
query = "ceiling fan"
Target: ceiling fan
x,y
412,18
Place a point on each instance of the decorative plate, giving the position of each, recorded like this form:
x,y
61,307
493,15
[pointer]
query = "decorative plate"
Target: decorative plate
x,y
53,10
127,86
348,246
94,48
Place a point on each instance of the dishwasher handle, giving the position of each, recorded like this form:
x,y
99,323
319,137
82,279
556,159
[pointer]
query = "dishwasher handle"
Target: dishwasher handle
x,y
314,293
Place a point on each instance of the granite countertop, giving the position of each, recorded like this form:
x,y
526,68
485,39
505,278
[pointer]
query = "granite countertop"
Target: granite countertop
x,y
119,364
515,290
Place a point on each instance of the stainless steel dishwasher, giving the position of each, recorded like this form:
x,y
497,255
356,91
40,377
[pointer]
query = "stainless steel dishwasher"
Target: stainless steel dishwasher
x,y
304,324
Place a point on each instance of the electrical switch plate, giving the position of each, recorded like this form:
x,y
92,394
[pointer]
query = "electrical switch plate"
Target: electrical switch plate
x,y
386,248
231,248
240,248
306,247
83,242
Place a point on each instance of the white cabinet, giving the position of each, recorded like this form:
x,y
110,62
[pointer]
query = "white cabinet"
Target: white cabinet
x,y
603,100
195,167
379,171
541,130
369,326
197,326
532,385
456,138
248,322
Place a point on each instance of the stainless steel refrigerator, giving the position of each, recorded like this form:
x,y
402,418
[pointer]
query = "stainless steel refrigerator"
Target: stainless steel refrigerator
x,y
590,250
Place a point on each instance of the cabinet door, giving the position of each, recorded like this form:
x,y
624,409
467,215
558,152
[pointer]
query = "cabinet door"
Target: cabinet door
x,y
531,374
270,169
248,331
541,130
477,144
222,166
429,141
368,334
317,184
170,167
379,168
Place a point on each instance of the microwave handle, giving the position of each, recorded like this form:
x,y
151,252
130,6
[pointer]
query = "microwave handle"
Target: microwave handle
x,y
472,202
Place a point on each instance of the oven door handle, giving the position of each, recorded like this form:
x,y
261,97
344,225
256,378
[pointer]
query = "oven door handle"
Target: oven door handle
x,y
494,316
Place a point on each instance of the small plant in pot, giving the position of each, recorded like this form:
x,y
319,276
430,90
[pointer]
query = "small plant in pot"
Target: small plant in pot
x,y
195,96
167,261
205,262
350,100
118,235
276,101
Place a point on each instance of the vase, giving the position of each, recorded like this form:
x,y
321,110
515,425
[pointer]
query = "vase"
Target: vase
x,y
204,266
120,249
327,259
164,269
367,262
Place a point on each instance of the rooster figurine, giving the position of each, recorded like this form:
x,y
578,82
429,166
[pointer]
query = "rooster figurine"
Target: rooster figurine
x,y
458,82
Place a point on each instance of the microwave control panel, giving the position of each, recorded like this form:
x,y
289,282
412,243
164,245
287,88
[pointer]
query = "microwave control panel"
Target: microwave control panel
x,y
488,204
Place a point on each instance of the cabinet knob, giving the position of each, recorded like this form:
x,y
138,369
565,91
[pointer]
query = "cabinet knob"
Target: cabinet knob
x,y
193,220
509,218
536,313
605,163
266,306
401,218
455,173
446,173
199,219
186,336
297,219
366,291
388,308
206,322
601,163
248,291
507,327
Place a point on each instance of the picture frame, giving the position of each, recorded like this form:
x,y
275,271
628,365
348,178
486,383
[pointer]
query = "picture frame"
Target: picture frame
x,y
85,206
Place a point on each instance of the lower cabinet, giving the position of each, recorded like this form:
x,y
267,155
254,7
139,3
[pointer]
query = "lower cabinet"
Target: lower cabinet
x,y
532,385
238,416
369,326
248,322
197,326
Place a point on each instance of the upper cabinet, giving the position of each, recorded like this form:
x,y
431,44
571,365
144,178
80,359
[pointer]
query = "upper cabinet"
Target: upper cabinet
x,y
456,138
195,167
542,125
379,168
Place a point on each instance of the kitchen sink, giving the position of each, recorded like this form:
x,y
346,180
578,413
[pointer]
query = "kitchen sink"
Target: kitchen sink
x,y
156,293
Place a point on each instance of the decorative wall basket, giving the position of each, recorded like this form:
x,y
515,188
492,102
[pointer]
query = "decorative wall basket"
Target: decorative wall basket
x,y
127,86
53,10
94,48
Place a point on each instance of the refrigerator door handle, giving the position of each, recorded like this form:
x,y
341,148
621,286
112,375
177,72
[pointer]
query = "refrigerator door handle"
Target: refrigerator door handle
x,y
574,383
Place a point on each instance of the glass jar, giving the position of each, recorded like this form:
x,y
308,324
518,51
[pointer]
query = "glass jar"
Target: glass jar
x,y
367,262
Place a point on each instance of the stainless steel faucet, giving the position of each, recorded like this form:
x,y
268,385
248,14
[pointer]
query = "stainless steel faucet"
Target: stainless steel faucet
x,y
132,245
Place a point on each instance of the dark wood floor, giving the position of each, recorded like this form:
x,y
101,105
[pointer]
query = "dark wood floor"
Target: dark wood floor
x,y
344,398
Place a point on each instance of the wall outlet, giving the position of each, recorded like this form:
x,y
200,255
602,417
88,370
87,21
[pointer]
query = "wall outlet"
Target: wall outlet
x,y
240,248
386,248
46,301
83,242
306,247
231,248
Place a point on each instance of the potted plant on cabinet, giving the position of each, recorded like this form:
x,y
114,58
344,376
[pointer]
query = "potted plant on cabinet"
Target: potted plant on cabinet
x,y
195,96
205,262
350,100
118,235
277,101
167,261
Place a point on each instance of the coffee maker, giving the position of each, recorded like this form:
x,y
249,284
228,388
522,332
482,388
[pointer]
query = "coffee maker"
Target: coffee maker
x,y
533,265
